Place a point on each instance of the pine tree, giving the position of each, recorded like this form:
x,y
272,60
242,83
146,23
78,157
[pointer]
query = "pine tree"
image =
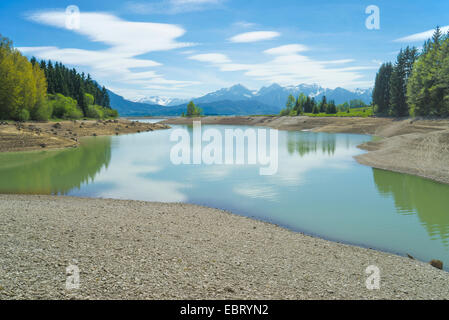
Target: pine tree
x,y
399,79
323,105
381,92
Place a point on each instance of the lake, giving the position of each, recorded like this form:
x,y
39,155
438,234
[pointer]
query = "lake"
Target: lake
x,y
319,188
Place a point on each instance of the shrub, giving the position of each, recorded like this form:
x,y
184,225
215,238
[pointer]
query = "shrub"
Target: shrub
x,y
110,113
22,115
64,107
42,112
95,112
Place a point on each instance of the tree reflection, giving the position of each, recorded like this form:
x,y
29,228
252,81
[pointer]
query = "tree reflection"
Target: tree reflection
x,y
304,143
53,172
411,194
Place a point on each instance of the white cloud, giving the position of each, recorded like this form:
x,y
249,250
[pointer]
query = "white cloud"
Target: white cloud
x,y
244,24
215,58
254,36
288,67
124,37
287,49
126,41
422,36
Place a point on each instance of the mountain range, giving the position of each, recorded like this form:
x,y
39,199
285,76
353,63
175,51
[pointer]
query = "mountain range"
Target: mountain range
x,y
236,100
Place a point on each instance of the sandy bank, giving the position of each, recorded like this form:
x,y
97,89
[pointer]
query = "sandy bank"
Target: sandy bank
x,y
138,250
31,136
418,147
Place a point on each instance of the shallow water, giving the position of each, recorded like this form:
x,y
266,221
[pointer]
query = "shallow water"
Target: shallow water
x,y
319,188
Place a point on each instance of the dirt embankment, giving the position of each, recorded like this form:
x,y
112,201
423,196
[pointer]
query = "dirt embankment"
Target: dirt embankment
x,y
413,146
32,136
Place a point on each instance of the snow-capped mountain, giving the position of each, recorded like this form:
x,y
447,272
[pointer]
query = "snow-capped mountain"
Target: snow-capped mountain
x,y
276,95
237,100
234,93
162,101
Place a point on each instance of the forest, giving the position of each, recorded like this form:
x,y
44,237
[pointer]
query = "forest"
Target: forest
x,y
33,90
417,84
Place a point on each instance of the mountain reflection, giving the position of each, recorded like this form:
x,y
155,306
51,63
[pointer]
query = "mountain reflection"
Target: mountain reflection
x,y
411,194
53,172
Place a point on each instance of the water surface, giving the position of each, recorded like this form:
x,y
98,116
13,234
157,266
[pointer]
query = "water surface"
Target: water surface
x,y
319,188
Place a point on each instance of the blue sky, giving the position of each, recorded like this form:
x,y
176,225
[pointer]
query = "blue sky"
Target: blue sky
x,y
186,48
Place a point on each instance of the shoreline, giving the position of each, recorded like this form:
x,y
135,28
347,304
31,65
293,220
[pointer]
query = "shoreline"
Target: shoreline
x,y
418,147
142,250
30,136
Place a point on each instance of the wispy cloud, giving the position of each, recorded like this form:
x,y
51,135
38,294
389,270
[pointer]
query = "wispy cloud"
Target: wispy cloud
x,y
172,6
254,36
215,58
126,40
287,49
124,37
244,24
288,67
422,36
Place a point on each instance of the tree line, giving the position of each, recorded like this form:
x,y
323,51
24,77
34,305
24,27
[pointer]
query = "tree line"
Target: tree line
x,y
35,90
305,104
70,83
417,84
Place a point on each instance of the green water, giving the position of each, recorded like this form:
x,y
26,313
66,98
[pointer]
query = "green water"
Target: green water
x,y
319,188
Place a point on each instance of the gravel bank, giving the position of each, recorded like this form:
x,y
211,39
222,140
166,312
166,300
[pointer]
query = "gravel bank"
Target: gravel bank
x,y
139,250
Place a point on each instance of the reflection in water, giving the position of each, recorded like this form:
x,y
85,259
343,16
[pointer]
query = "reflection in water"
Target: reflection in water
x,y
428,199
54,172
310,142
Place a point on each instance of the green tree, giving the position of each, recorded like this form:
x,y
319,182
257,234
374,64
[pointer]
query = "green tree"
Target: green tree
x,y
308,105
381,91
399,80
323,105
331,107
193,110
300,104
22,84
291,101
428,86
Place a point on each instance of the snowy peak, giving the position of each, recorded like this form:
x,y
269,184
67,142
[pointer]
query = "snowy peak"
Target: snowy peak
x,y
234,93
162,101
